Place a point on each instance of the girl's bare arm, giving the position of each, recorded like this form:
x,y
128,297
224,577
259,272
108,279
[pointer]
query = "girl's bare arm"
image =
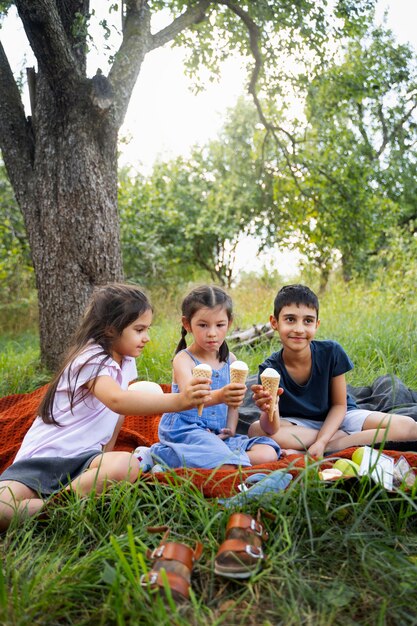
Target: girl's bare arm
x,y
110,444
109,392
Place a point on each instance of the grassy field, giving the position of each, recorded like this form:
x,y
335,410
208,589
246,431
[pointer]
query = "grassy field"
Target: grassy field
x,y
344,554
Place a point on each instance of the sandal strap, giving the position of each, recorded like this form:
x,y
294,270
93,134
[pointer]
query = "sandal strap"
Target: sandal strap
x,y
240,546
175,582
174,551
246,522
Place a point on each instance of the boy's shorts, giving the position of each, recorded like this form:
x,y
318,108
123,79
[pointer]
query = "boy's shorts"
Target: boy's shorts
x,y
353,422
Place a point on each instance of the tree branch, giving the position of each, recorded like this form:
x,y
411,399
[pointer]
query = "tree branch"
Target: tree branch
x,y
363,132
128,60
138,41
387,137
50,44
193,15
16,140
254,37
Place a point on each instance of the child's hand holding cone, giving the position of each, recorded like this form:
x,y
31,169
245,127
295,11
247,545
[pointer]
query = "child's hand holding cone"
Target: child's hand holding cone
x,y
270,382
201,371
234,396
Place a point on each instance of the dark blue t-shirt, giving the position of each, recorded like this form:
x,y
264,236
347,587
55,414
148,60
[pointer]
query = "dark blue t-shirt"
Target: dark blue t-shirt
x,y
312,400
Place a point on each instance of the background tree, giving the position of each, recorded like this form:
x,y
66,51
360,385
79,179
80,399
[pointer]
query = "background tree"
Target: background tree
x,y
62,159
190,214
352,172
16,270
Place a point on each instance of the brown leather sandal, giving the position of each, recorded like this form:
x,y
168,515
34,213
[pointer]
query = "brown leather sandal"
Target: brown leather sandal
x,y
241,554
177,559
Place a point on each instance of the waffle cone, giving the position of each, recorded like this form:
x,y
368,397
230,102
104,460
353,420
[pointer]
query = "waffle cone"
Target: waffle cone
x,y
199,373
271,384
238,376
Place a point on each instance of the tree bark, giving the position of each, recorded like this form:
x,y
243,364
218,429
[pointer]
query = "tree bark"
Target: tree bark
x,y
62,161
71,213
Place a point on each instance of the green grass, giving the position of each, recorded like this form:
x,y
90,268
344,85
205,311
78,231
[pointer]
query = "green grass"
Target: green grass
x,y
336,555
20,370
340,554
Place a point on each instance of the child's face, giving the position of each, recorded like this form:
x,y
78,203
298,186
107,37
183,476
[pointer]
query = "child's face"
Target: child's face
x,y
296,326
133,338
209,327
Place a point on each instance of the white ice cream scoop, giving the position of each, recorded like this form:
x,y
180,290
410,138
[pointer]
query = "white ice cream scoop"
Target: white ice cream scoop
x,y
238,372
145,386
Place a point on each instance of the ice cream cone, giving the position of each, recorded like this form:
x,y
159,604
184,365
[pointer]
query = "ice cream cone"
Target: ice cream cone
x,y
270,382
201,371
238,372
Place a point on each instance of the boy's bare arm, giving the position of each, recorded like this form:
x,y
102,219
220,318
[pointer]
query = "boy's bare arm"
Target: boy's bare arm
x,y
334,417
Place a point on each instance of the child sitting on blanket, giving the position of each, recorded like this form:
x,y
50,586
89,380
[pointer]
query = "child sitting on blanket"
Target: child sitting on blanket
x,y
208,441
70,443
314,411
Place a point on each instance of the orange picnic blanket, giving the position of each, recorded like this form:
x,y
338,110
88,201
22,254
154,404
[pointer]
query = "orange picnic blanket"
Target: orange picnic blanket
x,y
19,410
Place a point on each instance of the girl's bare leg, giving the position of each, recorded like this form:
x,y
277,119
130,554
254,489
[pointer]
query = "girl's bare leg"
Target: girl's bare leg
x,y
262,453
106,468
17,499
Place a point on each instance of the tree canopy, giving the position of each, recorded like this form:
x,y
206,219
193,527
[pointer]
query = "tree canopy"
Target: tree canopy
x,y
353,165
334,188
62,157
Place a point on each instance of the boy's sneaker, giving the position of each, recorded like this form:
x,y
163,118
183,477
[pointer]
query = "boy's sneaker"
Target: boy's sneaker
x,y
144,456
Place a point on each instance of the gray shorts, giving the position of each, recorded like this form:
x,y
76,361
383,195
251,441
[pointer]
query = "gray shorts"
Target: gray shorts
x,y
46,475
353,422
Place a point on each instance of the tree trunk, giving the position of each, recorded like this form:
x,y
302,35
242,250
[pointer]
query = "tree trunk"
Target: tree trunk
x,y
62,162
70,211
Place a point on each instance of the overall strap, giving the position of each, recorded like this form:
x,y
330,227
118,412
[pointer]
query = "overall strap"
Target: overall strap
x,y
196,361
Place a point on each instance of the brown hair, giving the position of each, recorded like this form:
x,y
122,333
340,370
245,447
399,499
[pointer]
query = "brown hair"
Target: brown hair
x,y
111,308
295,294
209,296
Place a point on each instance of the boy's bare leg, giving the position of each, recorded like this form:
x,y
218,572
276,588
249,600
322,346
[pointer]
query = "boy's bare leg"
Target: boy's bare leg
x,y
289,436
376,428
17,499
106,468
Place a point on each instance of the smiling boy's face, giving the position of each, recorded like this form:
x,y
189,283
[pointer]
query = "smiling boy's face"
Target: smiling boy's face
x,y
296,325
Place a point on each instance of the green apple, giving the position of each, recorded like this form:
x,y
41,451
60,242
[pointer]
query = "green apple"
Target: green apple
x,y
357,456
347,467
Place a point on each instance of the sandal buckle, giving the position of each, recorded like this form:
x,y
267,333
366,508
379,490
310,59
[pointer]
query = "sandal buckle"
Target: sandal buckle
x,y
157,552
256,527
254,551
148,579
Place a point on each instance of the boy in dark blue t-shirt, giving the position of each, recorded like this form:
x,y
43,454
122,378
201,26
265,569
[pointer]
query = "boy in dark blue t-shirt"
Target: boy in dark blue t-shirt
x,y
315,411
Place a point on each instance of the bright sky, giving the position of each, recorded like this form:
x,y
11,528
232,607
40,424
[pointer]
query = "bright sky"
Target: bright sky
x,y
165,118
170,118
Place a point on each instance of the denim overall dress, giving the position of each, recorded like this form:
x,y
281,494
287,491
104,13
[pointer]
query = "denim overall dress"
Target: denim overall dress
x,y
187,440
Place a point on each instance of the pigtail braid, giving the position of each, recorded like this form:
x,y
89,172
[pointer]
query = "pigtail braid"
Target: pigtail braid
x,y
182,342
224,352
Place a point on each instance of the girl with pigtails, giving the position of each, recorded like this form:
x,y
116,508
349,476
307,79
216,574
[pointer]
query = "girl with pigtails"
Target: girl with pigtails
x,y
208,441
